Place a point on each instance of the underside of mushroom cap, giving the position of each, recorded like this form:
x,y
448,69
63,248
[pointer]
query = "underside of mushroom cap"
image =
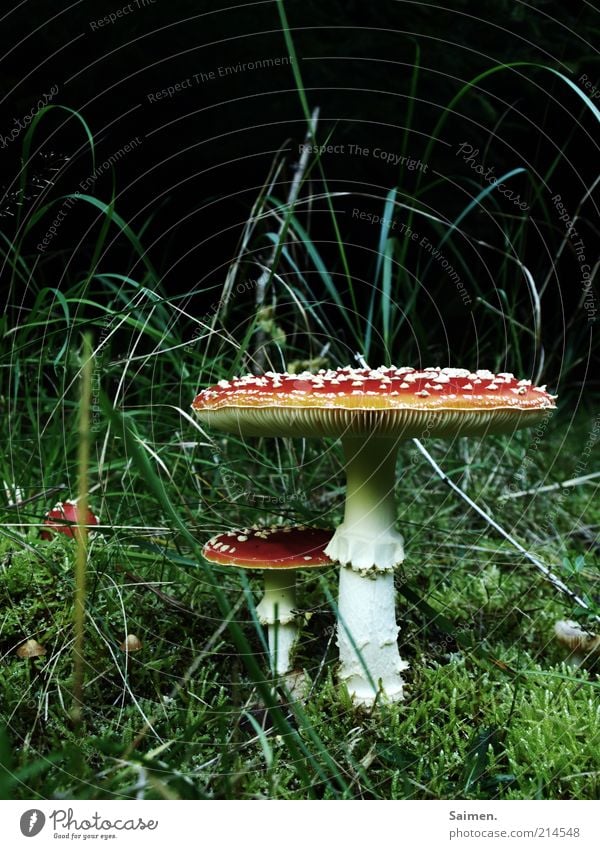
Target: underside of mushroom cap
x,y
574,637
386,402
266,548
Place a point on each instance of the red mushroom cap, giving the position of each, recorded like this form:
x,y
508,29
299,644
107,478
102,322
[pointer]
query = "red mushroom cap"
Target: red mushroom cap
x,y
65,511
386,401
270,548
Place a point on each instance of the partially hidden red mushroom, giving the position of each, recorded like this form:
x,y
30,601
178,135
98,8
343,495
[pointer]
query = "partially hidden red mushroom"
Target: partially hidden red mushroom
x,y
372,410
278,552
64,518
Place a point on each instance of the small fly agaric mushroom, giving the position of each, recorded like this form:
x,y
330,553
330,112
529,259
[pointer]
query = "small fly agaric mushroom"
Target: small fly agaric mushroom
x,y
582,644
372,410
278,552
65,511
30,649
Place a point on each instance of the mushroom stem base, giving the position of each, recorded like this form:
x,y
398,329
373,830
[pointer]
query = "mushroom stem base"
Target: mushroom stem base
x,y
370,664
277,610
281,642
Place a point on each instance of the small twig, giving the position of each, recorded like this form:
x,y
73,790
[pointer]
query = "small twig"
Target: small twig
x,y
255,216
321,665
267,273
550,576
551,487
168,599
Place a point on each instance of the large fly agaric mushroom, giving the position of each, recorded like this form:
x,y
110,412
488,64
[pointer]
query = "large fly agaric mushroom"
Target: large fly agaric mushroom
x,y
65,511
372,410
278,552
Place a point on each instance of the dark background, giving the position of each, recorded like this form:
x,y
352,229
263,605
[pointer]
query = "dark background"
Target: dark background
x,y
206,151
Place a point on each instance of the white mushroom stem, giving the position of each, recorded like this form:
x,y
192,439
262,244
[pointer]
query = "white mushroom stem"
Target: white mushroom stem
x,y
277,610
366,539
368,547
